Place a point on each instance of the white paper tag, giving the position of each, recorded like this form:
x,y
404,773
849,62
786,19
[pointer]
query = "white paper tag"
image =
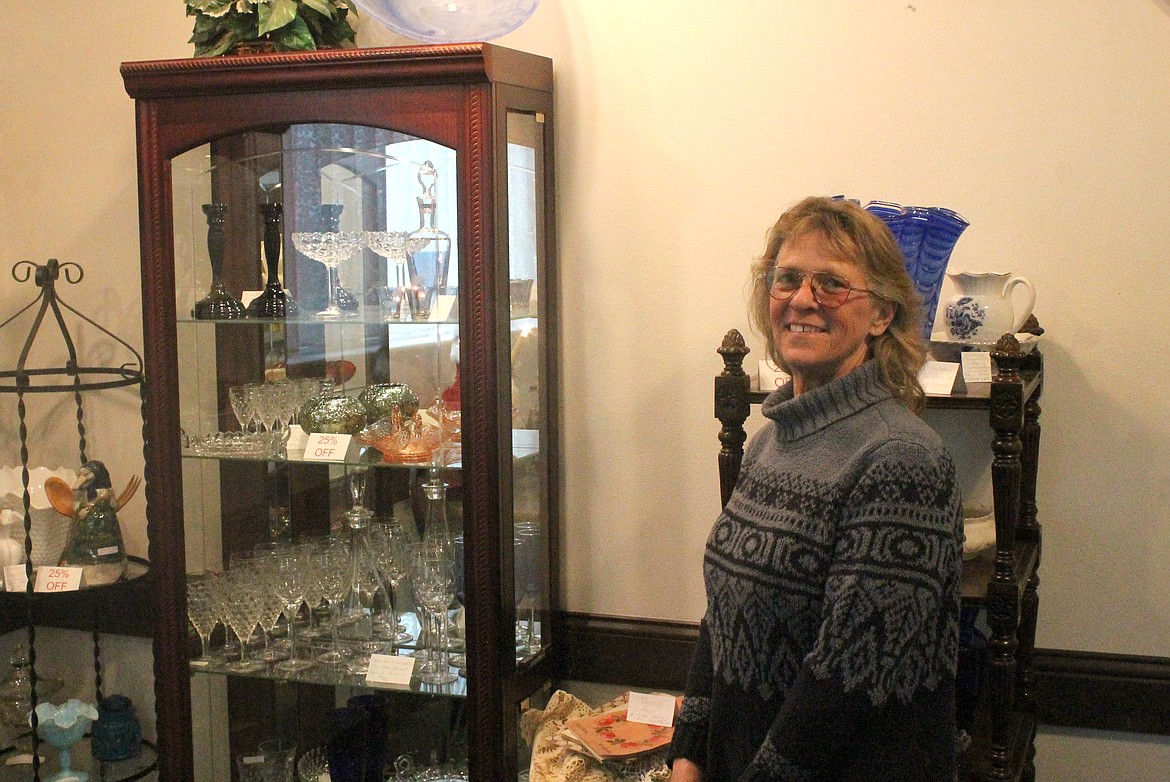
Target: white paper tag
x,y
58,579
651,709
389,669
321,447
976,366
297,438
938,377
771,376
252,760
15,578
106,551
444,308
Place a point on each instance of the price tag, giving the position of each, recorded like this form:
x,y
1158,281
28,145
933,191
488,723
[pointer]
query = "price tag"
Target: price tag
x,y
771,376
938,377
321,447
651,709
252,760
15,578
298,438
390,669
58,579
976,366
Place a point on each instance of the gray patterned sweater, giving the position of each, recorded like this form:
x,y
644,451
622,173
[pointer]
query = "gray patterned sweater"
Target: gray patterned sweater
x,y
829,644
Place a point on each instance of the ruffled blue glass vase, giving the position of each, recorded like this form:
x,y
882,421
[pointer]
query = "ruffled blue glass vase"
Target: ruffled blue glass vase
x,y
63,726
927,236
449,21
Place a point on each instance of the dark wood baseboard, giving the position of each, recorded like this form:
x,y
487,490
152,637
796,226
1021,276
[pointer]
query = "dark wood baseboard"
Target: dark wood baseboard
x,y
1092,690
1102,691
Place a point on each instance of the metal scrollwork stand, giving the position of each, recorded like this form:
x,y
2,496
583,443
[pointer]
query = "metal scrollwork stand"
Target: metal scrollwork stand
x,y
68,377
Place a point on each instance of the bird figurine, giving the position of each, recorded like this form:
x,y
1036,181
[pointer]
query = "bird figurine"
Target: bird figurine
x,y
95,535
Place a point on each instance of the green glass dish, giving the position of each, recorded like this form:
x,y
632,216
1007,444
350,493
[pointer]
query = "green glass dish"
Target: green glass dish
x,y
382,399
333,415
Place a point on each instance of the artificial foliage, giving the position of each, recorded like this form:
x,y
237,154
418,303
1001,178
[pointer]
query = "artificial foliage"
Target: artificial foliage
x,y
221,26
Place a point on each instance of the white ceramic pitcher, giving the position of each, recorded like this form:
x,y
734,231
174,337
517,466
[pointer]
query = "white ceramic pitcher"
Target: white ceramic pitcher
x,y
981,310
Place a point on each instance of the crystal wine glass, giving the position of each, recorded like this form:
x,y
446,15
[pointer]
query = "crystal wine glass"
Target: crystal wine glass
x,y
389,542
391,245
289,582
243,609
527,589
329,568
241,399
203,609
432,572
264,567
329,248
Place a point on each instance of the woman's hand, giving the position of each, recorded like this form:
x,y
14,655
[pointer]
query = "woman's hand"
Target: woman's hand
x,y
683,770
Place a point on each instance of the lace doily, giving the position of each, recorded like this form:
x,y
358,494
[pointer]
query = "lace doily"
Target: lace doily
x,y
555,756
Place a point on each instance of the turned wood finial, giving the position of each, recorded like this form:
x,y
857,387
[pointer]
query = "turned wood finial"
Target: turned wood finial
x,y
733,350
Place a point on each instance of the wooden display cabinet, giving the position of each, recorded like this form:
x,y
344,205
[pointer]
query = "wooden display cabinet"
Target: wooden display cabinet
x,y
369,142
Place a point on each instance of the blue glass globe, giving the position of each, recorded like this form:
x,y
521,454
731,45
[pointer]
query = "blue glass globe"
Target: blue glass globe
x,y
448,21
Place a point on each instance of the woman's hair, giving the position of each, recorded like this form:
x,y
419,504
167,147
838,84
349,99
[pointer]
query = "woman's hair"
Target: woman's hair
x,y
862,239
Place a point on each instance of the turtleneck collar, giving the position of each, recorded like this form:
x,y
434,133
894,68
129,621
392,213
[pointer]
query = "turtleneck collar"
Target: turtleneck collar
x,y
797,417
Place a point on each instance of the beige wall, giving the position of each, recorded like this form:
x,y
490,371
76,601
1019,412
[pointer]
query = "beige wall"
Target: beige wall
x,y
680,137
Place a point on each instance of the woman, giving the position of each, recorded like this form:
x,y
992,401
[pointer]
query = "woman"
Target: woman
x,y
829,644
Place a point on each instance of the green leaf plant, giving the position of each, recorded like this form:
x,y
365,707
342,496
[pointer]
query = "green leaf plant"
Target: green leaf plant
x,y
222,26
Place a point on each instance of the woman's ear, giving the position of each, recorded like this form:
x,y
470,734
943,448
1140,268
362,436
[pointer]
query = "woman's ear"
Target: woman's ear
x,y
883,316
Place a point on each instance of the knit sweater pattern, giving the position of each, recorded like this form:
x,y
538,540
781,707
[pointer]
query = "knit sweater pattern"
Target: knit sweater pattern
x,y
828,648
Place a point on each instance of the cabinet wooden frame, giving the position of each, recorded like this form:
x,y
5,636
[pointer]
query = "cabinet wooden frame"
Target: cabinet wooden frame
x,y
457,95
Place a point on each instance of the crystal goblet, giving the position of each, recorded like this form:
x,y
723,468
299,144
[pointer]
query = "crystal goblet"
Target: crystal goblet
x,y
329,248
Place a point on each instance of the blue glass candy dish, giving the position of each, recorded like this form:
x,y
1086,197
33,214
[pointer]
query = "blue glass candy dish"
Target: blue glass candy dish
x,y
449,21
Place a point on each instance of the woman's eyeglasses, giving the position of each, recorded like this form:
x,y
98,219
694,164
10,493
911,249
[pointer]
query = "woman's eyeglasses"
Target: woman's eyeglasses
x,y
829,290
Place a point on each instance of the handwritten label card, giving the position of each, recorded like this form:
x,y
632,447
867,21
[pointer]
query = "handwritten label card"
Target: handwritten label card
x,y
321,447
390,669
938,377
15,578
298,438
976,366
651,709
58,579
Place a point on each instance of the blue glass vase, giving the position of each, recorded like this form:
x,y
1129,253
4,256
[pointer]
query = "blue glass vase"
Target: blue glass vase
x,y
927,237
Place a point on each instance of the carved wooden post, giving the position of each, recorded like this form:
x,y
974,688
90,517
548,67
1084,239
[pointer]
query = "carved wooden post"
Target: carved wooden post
x,y
1029,530
1003,594
732,407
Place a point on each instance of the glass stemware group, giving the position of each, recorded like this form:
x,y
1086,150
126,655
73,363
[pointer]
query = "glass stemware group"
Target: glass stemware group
x,y
276,588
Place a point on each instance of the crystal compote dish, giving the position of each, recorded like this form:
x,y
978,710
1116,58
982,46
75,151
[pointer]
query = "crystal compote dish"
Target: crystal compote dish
x,y
329,248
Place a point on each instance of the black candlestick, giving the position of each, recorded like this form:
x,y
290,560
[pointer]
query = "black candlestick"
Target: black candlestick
x,y
218,304
273,302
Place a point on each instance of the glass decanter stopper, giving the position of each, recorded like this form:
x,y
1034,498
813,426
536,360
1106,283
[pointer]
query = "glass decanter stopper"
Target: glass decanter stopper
x,y
428,251
218,304
367,604
273,302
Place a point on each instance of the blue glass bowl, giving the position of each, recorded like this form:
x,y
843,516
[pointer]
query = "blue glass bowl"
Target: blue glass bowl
x,y
449,21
